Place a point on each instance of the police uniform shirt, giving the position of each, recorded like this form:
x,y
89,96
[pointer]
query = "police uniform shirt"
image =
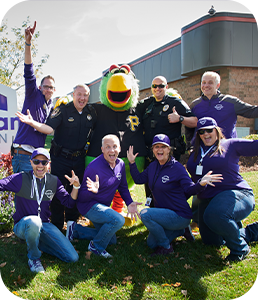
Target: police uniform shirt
x,y
155,119
71,127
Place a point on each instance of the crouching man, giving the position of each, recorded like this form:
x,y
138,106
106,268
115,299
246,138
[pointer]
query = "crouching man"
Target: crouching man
x,y
94,201
34,192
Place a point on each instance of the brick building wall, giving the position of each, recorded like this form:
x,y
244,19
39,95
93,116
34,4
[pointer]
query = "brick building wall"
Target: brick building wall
x,y
241,82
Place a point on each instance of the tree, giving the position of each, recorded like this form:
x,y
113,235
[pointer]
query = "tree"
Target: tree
x,y
12,55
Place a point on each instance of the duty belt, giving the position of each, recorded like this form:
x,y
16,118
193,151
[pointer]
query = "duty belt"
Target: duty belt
x,y
68,153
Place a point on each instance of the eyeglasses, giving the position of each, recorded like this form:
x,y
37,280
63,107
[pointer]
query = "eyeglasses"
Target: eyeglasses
x,y
161,86
46,87
202,131
38,161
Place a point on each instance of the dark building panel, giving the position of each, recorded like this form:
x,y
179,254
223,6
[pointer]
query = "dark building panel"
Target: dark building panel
x,y
226,39
220,44
255,44
242,46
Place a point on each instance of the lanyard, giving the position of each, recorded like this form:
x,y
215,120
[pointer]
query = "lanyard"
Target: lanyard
x,y
204,154
47,109
37,192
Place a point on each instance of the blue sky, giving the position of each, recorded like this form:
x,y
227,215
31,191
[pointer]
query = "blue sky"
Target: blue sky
x,y
83,38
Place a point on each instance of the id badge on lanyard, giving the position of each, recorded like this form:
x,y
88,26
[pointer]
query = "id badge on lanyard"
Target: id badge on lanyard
x,y
199,168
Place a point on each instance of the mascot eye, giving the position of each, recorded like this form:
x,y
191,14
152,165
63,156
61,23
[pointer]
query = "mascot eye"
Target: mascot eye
x,y
114,69
125,69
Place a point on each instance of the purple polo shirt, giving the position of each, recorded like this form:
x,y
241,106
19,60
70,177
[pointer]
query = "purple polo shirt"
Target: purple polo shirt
x,y
225,164
34,101
110,180
170,184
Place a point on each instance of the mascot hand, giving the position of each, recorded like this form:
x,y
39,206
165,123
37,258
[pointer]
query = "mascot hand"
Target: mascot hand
x,y
62,100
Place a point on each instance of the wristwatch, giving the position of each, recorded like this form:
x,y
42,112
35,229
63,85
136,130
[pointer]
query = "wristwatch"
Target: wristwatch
x,y
181,119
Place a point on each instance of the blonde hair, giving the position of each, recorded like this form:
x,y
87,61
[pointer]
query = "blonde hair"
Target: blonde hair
x,y
83,86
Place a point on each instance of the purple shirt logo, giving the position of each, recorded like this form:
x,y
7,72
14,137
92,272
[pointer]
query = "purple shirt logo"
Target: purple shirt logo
x,y
49,194
119,176
165,178
218,106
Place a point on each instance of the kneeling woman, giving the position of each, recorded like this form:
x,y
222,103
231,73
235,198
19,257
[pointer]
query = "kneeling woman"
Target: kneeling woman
x,y
171,186
221,209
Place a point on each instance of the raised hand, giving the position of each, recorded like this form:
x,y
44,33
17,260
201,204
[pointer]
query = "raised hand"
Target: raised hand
x,y
209,178
93,186
27,119
29,31
130,156
132,209
74,180
174,116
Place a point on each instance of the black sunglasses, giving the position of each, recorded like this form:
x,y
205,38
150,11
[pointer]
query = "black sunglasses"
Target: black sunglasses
x,y
202,131
38,161
161,86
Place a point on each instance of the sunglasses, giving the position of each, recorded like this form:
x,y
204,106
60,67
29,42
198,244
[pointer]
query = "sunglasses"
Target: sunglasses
x,y
38,161
202,131
161,86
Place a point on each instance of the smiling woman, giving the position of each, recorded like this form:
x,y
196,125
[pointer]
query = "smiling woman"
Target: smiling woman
x,y
171,186
222,209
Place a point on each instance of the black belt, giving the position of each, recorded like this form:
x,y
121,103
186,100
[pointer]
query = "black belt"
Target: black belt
x,y
70,154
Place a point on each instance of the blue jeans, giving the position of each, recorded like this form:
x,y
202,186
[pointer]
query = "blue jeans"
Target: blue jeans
x,y
164,225
219,218
44,237
21,162
88,233
106,221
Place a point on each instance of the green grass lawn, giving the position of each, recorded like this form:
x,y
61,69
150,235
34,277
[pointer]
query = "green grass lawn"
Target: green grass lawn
x,y
194,271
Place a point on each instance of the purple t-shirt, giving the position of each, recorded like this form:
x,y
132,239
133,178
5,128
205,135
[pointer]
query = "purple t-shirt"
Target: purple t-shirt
x,y
39,109
110,180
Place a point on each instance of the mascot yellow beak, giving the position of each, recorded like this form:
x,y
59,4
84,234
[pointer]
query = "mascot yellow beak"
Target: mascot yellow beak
x,y
119,89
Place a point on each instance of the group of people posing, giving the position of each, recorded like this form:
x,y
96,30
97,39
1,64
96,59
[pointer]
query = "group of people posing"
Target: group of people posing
x,y
224,197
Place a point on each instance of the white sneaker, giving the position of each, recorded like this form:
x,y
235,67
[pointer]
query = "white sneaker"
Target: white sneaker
x,y
104,253
69,231
36,266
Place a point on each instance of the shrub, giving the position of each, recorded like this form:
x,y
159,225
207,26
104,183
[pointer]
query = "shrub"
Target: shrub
x,y
6,198
251,137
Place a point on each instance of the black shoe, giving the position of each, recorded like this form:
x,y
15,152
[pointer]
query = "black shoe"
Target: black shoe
x,y
163,251
188,234
235,257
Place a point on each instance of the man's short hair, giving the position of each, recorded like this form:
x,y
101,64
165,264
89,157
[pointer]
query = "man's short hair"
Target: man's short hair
x,y
46,77
162,78
112,137
214,75
83,86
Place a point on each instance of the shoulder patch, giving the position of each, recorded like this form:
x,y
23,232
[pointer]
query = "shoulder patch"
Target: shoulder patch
x,y
55,112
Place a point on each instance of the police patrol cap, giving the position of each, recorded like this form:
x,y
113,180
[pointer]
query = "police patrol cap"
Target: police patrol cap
x,y
206,122
40,151
161,139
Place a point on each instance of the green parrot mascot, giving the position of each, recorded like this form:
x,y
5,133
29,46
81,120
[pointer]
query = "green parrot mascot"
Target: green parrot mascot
x,y
117,114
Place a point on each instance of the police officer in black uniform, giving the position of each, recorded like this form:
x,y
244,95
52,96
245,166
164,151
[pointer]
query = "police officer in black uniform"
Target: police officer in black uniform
x,y
73,124
164,114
